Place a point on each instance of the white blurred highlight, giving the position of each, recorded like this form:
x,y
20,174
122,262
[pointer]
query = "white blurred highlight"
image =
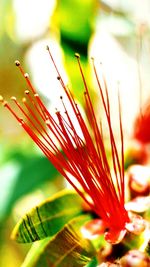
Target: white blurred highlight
x,y
32,17
43,74
120,67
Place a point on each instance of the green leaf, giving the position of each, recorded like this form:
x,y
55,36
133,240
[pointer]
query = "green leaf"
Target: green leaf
x,y
76,20
48,218
20,175
33,172
66,249
93,263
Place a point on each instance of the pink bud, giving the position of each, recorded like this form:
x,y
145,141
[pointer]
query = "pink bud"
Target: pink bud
x,y
135,258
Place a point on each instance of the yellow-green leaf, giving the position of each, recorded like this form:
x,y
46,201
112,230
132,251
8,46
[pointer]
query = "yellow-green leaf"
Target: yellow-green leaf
x,y
48,218
76,19
66,249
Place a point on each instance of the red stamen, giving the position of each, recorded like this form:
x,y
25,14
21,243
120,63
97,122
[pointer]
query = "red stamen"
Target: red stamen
x,y
83,158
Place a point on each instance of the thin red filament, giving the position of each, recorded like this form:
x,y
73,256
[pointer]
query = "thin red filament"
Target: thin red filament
x,y
84,158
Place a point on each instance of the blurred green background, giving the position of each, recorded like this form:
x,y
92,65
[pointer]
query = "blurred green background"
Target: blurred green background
x,y
115,32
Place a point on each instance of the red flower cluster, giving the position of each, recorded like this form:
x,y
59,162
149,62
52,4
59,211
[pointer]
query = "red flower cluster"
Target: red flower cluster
x,y
80,159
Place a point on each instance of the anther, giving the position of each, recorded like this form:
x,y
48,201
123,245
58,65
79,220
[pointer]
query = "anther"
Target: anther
x,y
4,103
61,97
77,55
27,92
1,98
21,122
13,98
47,47
47,122
24,100
58,78
17,63
26,75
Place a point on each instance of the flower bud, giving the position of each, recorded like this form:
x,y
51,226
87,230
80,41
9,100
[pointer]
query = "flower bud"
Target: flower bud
x,y
93,228
139,179
137,224
135,258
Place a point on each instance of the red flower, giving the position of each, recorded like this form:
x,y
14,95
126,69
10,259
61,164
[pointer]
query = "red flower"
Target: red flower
x,y
142,126
83,158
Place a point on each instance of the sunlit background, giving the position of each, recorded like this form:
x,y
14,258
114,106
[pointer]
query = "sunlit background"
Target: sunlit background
x,y
114,32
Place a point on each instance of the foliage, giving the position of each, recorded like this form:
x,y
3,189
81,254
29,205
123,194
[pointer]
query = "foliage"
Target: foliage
x,y
66,247
27,174
47,218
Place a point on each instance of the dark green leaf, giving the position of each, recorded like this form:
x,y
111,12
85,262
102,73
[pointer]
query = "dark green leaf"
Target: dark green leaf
x,y
66,249
48,218
76,23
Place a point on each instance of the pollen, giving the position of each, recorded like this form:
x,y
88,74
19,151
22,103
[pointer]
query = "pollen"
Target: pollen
x,y
4,103
17,63
1,98
13,98
77,55
26,75
24,100
47,47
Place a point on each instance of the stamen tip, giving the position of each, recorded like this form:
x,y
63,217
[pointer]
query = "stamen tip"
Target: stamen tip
x,y
23,99
26,75
47,47
4,103
13,98
77,55
1,98
26,92
17,63
58,78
